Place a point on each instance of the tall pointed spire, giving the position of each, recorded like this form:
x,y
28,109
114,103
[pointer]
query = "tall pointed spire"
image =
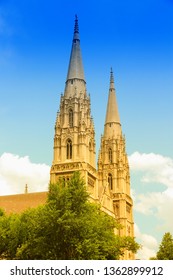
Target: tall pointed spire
x,y
112,121
75,69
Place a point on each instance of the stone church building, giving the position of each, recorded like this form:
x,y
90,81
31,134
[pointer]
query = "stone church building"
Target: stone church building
x,y
74,149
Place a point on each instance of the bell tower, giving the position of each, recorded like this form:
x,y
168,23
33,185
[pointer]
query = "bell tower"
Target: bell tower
x,y
74,140
113,169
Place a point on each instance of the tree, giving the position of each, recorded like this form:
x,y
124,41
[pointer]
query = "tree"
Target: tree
x,y
165,251
152,258
9,235
67,227
2,212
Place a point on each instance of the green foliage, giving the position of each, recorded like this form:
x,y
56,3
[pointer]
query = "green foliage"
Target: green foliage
x,y
9,235
165,251
2,212
67,227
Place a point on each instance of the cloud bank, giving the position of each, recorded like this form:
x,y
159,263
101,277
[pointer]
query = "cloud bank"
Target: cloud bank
x,y
156,205
156,168
149,244
16,172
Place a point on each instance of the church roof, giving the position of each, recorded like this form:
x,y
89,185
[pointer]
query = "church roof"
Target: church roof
x,y
75,69
20,202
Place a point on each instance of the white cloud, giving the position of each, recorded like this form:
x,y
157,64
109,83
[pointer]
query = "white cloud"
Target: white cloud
x,y
154,168
144,203
16,172
149,245
158,205
146,161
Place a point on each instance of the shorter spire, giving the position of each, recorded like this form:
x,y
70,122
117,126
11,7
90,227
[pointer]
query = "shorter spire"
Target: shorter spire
x,y
112,121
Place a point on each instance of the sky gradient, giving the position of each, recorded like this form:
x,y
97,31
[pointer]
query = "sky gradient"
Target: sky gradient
x,y
135,38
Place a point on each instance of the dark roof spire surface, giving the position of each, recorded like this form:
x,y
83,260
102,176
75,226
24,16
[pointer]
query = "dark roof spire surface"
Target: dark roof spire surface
x,y
75,69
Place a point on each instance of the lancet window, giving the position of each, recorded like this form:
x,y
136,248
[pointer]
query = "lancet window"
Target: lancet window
x,y
90,146
70,118
110,155
69,149
110,182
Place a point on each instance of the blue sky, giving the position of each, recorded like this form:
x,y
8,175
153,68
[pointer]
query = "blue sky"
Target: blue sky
x,y
135,38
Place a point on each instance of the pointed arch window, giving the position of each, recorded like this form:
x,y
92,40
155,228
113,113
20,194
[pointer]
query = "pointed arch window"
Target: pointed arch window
x,y
110,155
90,146
69,149
70,115
110,182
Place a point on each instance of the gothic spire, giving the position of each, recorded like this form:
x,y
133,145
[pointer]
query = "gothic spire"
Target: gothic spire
x,y
75,69
112,121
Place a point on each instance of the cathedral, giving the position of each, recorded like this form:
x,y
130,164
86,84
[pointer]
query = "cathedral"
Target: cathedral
x,y
75,150
74,145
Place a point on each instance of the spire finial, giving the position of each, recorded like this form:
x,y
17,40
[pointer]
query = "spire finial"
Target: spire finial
x,y
111,79
76,26
112,76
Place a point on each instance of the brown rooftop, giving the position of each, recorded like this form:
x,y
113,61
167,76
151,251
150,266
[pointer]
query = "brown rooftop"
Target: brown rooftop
x,y
20,202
